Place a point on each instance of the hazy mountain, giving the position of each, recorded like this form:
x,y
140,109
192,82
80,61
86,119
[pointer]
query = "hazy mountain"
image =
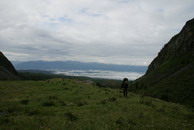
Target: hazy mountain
x,y
170,76
76,65
7,70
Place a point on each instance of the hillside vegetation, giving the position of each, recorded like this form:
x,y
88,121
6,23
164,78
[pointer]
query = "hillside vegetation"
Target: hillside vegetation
x,y
7,70
59,104
170,76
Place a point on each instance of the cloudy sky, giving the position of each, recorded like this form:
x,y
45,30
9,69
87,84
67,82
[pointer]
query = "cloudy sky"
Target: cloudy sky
x,y
106,31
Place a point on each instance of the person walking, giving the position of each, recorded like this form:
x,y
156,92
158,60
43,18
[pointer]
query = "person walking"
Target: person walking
x,y
125,87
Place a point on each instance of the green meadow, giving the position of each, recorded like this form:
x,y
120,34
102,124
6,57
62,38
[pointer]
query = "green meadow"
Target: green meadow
x,y
69,104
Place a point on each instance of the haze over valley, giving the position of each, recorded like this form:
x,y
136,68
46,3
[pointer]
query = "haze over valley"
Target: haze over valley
x,y
75,68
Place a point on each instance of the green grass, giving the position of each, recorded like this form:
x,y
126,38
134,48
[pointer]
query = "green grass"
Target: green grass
x,y
59,104
110,83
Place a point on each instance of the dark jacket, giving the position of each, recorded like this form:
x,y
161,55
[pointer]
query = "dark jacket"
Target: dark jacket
x,y
125,86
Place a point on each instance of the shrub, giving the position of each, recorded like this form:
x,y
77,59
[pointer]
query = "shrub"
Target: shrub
x,y
113,99
131,122
81,103
119,122
71,116
148,103
33,112
49,103
52,97
4,121
62,103
103,102
24,102
140,115
65,88
142,98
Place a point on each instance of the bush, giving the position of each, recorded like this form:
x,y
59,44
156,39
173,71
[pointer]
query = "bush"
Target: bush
x,y
71,116
4,120
113,99
33,112
24,102
52,97
49,103
81,103
103,102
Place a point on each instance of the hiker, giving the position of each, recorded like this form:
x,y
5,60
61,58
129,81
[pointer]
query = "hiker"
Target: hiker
x,y
124,85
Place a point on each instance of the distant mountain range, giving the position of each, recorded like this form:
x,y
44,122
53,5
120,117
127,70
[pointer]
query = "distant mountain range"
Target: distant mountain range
x,y
170,76
76,65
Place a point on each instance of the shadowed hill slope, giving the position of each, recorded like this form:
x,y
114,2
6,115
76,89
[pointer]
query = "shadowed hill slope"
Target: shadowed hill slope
x,y
7,70
170,76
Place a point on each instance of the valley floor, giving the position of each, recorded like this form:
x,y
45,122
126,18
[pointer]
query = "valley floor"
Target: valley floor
x,y
59,104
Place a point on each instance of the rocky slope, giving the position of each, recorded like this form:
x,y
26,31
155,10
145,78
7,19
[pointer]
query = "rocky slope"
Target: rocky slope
x,y
180,45
7,70
170,76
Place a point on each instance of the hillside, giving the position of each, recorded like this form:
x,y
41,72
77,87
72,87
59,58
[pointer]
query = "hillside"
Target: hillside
x,y
170,75
59,104
7,70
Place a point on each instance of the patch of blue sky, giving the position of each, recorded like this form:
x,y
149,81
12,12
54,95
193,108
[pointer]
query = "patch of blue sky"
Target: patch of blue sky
x,y
54,23
65,19
51,25
88,12
62,19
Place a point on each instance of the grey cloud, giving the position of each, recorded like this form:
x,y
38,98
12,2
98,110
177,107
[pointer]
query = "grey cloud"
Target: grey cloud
x,y
108,31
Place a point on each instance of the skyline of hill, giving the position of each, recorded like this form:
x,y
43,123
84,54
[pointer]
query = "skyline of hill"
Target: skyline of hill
x,y
7,70
170,75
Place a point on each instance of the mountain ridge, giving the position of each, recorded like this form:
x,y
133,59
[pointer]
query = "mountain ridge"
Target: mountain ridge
x,y
7,70
180,44
170,75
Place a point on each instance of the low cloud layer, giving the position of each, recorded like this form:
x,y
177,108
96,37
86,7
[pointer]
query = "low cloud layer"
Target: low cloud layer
x,y
107,31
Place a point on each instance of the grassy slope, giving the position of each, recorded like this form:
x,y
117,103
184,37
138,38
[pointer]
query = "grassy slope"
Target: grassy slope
x,y
172,81
170,75
111,83
61,103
